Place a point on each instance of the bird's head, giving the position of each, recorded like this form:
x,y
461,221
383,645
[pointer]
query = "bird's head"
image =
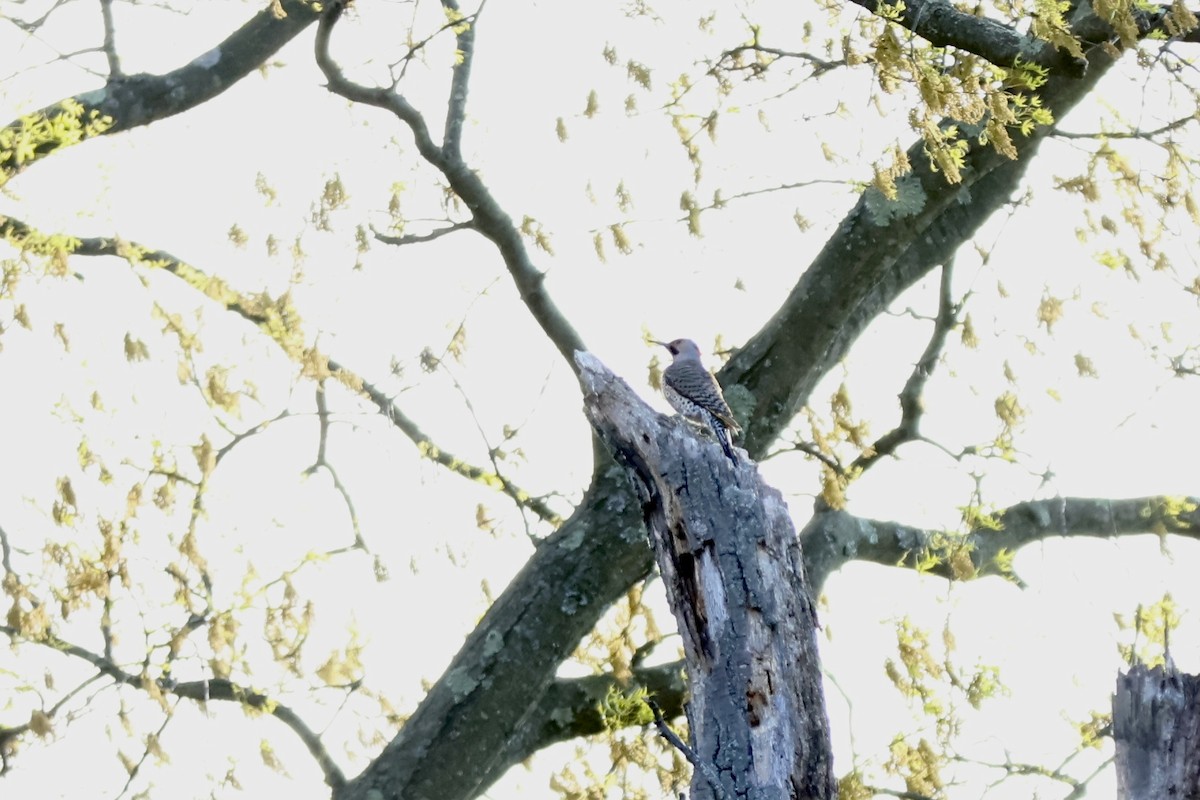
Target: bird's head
x,y
681,348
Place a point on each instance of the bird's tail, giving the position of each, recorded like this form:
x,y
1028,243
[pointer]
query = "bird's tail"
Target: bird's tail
x,y
723,437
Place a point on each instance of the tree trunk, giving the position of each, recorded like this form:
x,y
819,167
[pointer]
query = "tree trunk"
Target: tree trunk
x,y
1156,725
731,562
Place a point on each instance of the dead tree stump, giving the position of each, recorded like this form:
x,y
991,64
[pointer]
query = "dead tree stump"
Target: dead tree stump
x,y
729,556
1156,727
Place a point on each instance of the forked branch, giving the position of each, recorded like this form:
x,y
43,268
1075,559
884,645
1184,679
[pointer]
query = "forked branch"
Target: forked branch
x,y
487,215
911,407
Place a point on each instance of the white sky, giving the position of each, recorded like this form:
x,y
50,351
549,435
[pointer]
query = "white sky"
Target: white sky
x,y
181,184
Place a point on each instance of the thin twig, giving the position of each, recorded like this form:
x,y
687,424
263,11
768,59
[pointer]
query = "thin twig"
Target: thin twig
x,y
705,769
238,438
911,407
432,451
1081,787
819,65
416,238
902,794
808,449
5,552
135,768
415,48
491,450
10,734
30,26
252,311
110,41
1011,768
1133,134
323,462
323,427
202,691
721,202
489,218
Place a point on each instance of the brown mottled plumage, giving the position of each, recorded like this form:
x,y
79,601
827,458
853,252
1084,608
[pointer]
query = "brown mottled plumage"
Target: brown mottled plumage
x,y
693,392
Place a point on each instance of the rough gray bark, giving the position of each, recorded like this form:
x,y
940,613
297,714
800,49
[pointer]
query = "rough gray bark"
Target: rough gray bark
x,y
1156,725
734,576
833,538
477,717
867,264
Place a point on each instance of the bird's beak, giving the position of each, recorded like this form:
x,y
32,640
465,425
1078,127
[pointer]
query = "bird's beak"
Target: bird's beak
x,y
662,344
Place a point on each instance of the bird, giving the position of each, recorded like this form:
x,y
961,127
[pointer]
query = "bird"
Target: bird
x,y
693,392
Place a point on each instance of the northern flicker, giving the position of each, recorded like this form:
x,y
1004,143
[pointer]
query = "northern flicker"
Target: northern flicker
x,y
693,392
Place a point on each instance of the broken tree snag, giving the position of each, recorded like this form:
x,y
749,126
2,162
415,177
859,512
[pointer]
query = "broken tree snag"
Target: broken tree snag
x,y
1156,727
731,563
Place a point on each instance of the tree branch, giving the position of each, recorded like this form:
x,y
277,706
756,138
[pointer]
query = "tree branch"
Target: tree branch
x,y
488,217
702,767
430,450
8,735
1133,134
944,25
271,320
834,538
32,25
456,108
565,586
417,238
570,708
899,793
5,554
379,97
1011,768
596,554
110,40
734,55
867,264
322,462
202,690
226,690
134,768
130,101
911,408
